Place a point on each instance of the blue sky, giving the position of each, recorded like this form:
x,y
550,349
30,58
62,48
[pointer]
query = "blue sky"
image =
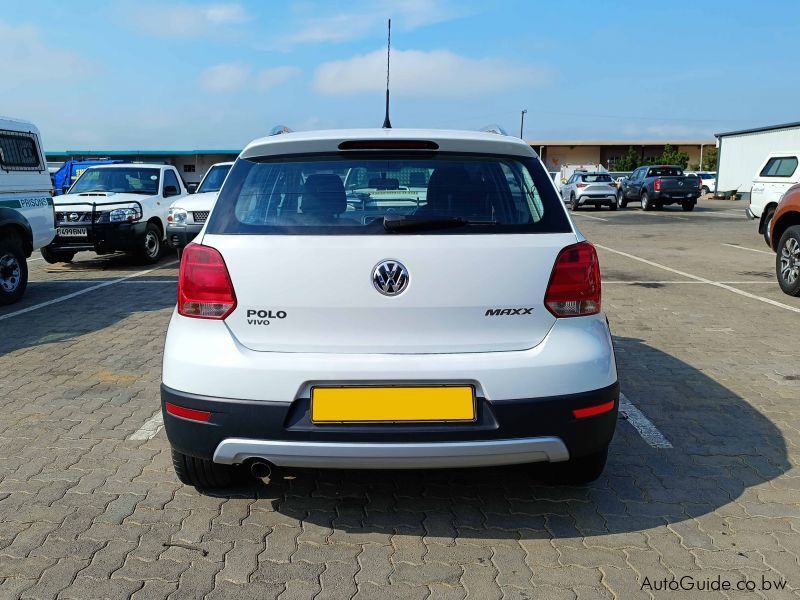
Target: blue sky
x,y
158,75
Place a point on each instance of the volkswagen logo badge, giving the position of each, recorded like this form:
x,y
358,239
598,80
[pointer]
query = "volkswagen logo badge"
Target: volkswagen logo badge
x,y
73,216
680,183
390,277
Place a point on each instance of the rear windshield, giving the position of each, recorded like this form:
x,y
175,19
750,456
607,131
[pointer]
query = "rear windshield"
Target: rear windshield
x,y
131,180
213,179
597,178
357,194
665,172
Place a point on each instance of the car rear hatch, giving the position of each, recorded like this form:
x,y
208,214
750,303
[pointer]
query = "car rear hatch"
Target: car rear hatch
x,y
466,293
389,253
594,186
679,186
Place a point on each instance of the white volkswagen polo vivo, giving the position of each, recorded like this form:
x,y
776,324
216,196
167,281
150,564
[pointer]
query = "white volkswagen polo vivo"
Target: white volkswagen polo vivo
x,y
388,298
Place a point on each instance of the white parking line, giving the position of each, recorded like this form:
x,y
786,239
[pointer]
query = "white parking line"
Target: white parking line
x,y
589,217
28,309
718,284
761,281
642,424
150,428
745,248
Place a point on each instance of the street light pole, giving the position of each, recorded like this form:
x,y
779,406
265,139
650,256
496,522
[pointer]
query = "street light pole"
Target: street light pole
x,y
522,121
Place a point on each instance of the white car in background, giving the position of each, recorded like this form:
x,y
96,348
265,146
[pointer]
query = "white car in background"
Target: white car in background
x,y
26,204
777,174
437,309
117,207
708,181
188,215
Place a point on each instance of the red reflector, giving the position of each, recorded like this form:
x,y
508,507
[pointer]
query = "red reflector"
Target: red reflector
x,y
188,413
581,185
657,185
582,413
574,288
205,290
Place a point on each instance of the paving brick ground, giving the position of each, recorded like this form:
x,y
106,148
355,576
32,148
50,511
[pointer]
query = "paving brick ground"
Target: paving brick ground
x,y
87,513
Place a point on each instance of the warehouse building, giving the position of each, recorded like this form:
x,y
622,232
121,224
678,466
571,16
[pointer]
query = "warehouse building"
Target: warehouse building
x,y
557,153
742,153
192,164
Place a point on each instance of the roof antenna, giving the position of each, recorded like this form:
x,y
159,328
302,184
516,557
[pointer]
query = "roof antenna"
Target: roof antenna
x,y
387,124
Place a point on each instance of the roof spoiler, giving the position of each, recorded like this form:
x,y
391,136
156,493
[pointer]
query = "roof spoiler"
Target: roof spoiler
x,y
279,129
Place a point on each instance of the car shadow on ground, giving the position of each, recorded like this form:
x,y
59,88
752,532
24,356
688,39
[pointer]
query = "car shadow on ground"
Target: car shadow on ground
x,y
721,447
86,313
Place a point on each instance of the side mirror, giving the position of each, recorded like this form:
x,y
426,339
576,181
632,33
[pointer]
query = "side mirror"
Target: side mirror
x,y
191,188
170,190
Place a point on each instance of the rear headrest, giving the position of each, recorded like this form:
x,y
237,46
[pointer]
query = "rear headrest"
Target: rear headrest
x,y
323,194
446,185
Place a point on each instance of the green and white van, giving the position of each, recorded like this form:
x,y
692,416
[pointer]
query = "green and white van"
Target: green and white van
x,y
27,220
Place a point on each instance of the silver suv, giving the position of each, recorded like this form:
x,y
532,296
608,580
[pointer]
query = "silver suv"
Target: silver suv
x,y
590,188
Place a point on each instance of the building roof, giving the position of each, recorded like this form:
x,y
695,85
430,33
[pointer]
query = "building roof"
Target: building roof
x,y
759,129
537,143
138,152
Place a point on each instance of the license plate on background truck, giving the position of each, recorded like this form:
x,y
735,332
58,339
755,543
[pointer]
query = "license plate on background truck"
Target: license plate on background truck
x,y
72,232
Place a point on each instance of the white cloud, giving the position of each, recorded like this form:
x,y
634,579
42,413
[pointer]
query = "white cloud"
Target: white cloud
x,y
186,20
226,77
26,57
371,20
438,73
270,78
232,77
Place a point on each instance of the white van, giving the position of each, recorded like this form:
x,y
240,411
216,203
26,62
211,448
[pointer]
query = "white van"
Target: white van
x,y
777,174
26,204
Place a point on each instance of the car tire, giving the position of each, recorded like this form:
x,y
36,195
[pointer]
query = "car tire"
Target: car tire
x,y
202,473
687,206
53,256
578,471
151,245
612,206
768,224
704,190
787,261
13,270
622,200
647,204
573,202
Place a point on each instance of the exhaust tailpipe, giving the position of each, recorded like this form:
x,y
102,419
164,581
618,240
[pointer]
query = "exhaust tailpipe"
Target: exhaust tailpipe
x,y
261,469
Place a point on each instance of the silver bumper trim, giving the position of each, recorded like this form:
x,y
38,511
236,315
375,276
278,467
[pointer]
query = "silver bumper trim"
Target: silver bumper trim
x,y
431,455
749,213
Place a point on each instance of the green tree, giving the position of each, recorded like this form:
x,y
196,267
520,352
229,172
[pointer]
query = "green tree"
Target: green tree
x,y
629,161
710,159
672,156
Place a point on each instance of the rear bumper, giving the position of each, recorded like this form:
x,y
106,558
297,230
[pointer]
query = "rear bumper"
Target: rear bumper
x,y
505,432
179,236
676,197
102,237
609,198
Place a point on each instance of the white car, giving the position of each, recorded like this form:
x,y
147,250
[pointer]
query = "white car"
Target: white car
x,y
188,215
583,189
773,179
708,181
442,310
117,207
26,204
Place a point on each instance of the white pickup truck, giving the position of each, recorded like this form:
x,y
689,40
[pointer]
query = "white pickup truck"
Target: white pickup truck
x,y
119,207
777,174
26,204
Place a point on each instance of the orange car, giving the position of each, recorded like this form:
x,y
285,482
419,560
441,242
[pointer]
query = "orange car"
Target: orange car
x,y
785,240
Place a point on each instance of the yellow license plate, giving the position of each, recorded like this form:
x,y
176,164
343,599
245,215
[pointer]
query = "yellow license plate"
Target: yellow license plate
x,y
392,404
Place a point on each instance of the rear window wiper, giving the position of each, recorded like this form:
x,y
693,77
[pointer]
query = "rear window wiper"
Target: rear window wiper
x,y
413,223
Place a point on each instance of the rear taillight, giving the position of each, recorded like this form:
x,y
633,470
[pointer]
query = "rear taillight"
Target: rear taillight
x,y
205,290
657,185
581,185
574,288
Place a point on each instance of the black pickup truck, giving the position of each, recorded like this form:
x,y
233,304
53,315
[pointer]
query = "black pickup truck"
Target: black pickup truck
x,y
659,185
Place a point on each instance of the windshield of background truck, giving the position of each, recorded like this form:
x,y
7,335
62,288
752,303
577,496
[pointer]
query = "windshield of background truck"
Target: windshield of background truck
x,y
212,182
347,195
130,180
